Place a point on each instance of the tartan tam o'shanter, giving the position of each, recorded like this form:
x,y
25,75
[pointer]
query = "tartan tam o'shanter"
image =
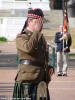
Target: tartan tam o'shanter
x,y
35,13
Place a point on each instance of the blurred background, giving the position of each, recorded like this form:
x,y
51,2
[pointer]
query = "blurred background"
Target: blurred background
x,y
13,15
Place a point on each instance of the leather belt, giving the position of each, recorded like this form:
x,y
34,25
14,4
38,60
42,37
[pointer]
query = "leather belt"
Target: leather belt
x,y
31,63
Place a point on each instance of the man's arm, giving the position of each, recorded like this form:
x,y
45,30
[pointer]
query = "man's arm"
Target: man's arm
x,y
26,44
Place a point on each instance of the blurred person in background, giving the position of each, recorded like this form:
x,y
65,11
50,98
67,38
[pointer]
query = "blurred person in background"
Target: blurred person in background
x,y
62,58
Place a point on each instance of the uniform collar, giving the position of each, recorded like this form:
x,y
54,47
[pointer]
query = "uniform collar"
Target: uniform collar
x,y
28,31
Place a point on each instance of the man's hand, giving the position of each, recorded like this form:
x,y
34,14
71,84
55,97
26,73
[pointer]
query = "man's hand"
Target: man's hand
x,y
19,34
62,38
65,49
51,71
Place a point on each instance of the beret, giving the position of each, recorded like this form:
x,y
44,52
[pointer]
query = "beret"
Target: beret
x,y
35,13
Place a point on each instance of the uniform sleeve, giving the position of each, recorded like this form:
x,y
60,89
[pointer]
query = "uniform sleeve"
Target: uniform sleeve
x,y
26,44
57,40
44,46
46,50
69,42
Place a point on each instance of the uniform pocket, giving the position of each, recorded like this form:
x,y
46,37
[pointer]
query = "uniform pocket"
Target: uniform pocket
x,y
28,73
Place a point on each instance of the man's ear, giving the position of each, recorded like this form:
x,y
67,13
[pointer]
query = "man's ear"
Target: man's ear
x,y
29,22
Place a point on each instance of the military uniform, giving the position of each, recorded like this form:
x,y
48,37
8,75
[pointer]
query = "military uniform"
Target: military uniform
x,y
32,76
31,46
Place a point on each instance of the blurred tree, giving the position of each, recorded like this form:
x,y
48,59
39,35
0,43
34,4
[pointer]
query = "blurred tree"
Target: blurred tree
x,y
51,4
56,4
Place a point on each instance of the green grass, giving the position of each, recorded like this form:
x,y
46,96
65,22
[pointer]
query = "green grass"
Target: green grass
x,y
72,55
3,39
0,51
72,31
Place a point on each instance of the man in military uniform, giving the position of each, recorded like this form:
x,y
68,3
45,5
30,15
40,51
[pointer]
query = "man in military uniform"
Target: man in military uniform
x,y
33,66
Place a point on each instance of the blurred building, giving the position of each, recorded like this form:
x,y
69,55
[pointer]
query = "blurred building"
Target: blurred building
x,y
13,15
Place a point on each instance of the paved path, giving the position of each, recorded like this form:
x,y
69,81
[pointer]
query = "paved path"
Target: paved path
x,y
8,48
7,77
8,56
63,88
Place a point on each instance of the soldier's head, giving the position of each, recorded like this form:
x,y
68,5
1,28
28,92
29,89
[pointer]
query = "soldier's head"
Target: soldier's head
x,y
34,20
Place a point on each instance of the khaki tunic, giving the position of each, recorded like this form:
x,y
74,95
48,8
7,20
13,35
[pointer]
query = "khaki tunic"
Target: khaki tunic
x,y
31,46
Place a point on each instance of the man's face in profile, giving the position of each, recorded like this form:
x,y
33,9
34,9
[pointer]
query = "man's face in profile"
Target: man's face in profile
x,y
61,28
37,24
